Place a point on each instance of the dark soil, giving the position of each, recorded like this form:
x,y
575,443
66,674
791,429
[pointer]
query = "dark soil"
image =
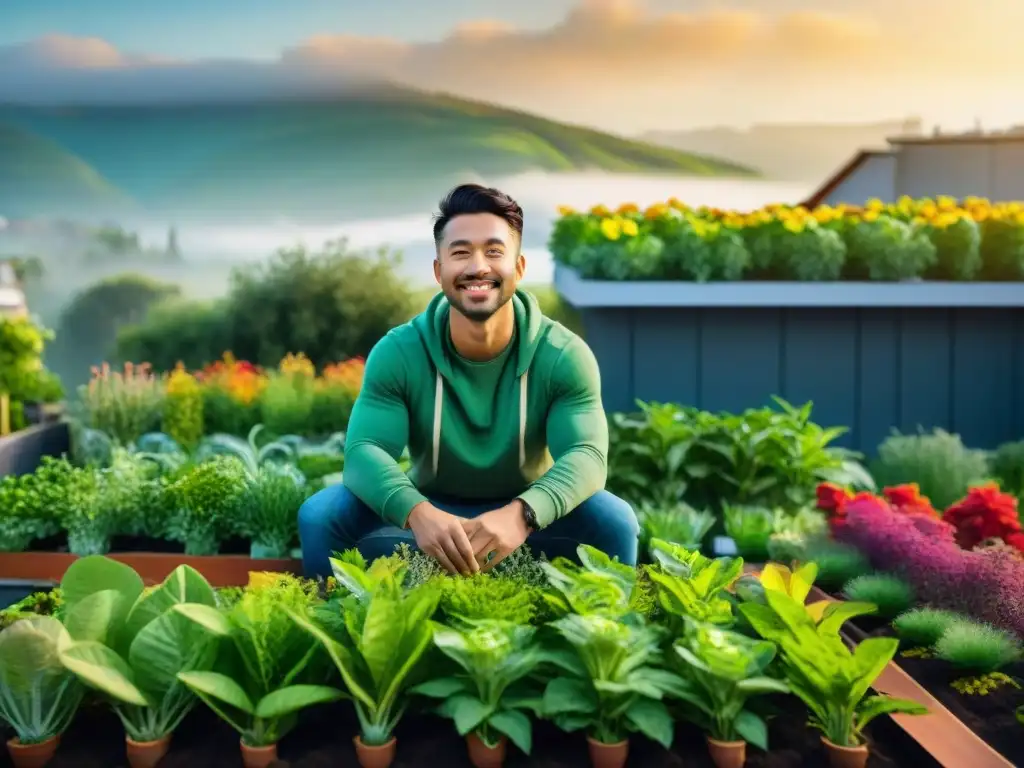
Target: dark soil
x,y
323,739
992,716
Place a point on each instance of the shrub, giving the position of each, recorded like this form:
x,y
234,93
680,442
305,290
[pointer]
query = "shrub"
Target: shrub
x,y
183,409
922,627
984,584
837,564
891,594
939,463
977,648
1007,464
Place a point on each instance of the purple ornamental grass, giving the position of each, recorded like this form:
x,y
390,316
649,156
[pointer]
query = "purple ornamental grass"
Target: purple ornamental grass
x,y
986,584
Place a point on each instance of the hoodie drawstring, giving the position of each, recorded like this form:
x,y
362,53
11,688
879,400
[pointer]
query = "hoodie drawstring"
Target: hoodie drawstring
x,y
438,399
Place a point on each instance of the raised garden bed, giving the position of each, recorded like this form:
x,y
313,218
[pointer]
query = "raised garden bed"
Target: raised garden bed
x,y
21,451
983,730
323,739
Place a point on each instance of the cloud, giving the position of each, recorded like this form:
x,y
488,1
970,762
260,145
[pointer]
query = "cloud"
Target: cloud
x,y
606,57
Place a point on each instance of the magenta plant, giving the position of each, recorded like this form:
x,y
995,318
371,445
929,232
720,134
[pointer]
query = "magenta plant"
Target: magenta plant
x,y
984,584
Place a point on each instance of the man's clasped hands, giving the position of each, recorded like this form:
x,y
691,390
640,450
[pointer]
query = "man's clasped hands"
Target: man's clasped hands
x,y
468,545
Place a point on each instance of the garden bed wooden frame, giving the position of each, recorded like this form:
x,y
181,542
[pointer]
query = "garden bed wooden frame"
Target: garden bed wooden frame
x,y
153,567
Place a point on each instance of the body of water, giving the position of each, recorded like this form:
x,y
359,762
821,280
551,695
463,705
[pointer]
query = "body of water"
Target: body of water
x,y
540,194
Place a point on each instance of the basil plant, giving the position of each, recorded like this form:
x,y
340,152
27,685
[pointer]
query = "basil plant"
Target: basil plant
x,y
494,685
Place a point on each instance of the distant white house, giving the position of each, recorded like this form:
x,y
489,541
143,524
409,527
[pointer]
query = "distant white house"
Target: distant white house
x,y
12,298
960,165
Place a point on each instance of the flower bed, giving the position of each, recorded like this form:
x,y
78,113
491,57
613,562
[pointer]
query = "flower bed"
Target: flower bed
x,y
940,239
949,588
661,662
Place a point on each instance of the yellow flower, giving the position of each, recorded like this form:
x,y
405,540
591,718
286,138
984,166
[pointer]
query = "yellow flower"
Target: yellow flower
x,y
262,579
797,584
874,204
600,210
565,210
611,229
630,228
627,208
656,211
794,226
871,215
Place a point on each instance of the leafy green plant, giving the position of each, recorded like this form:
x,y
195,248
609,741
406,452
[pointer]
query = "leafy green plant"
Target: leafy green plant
x,y
39,696
269,510
922,627
722,670
260,681
48,603
838,563
679,523
938,462
822,671
598,585
977,648
488,696
388,631
688,584
248,451
891,594
206,503
489,597
611,683
750,527
127,642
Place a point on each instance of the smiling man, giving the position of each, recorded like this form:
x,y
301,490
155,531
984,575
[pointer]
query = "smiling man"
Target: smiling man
x,y
500,408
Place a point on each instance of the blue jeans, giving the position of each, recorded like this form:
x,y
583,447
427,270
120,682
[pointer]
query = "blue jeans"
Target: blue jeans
x,y
333,520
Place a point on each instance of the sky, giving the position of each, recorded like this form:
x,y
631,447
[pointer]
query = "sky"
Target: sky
x,y
621,65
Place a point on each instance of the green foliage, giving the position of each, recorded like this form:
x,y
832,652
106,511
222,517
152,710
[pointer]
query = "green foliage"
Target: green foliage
x,y
22,374
750,527
679,523
690,585
265,674
1007,467
938,462
488,597
130,645
722,670
977,648
49,603
388,631
823,672
487,697
177,330
767,457
922,627
599,585
838,563
891,594
887,249
268,511
40,697
206,504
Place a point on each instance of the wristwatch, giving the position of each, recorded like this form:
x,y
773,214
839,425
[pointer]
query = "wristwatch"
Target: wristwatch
x,y
529,516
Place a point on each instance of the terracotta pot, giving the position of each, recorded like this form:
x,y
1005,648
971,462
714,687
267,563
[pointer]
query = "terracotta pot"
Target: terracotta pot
x,y
845,757
727,754
32,755
483,756
258,757
375,757
146,754
608,755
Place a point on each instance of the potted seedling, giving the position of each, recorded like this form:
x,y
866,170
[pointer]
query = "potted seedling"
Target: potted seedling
x,y
827,676
40,697
722,670
688,584
127,643
387,632
609,685
261,679
487,697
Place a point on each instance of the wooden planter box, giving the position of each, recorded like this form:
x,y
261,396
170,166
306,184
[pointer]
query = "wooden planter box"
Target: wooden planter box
x,y
21,451
219,570
871,356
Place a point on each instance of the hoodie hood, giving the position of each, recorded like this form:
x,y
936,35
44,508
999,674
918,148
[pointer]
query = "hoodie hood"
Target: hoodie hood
x,y
432,326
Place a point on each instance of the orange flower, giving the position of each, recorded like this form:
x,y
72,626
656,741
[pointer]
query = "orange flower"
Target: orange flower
x,y
907,499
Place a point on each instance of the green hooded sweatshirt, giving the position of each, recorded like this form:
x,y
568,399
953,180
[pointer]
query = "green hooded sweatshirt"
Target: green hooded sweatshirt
x,y
528,424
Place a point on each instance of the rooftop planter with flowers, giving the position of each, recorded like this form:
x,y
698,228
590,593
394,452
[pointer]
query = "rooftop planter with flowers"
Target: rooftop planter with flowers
x,y
949,585
394,659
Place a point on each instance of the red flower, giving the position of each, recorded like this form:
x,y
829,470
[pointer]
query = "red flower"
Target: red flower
x,y
985,513
831,497
907,499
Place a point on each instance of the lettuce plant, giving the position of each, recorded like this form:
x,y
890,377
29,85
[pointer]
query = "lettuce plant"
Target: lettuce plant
x,y
611,683
38,696
494,686
387,632
677,522
723,670
127,642
750,527
599,585
822,671
690,584
258,687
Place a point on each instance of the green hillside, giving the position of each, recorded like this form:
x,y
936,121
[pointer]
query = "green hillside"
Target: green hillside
x,y
386,150
39,177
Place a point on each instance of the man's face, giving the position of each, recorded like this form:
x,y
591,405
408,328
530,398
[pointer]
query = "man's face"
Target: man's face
x,y
478,264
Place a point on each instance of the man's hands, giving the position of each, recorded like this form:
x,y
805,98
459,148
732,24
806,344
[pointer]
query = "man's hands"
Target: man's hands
x,y
501,531
443,536
461,545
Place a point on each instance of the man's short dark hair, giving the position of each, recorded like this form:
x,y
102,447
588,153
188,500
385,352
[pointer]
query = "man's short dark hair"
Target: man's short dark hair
x,y
476,198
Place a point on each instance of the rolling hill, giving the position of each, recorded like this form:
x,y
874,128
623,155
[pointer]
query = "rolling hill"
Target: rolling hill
x,y
39,177
357,154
